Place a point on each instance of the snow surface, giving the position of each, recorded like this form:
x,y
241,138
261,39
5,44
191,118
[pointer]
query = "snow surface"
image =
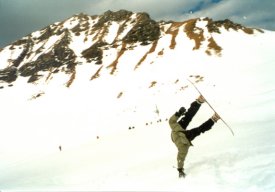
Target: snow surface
x,y
91,121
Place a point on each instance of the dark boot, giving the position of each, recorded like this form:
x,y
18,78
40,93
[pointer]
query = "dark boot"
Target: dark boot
x,y
181,173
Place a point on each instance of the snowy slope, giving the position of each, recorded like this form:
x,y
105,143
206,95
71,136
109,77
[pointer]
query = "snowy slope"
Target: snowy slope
x,y
91,119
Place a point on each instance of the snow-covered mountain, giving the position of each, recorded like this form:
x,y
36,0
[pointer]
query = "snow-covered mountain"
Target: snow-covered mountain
x,y
102,89
101,42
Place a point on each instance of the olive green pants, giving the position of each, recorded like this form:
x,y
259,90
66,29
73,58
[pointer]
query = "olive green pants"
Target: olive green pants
x,y
182,152
180,140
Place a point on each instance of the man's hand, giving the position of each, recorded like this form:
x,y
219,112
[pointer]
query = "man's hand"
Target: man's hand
x,y
181,111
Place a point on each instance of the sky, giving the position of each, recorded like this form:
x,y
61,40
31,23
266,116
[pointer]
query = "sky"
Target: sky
x,y
18,18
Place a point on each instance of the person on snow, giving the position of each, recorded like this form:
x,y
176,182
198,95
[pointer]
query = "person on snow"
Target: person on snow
x,y
181,137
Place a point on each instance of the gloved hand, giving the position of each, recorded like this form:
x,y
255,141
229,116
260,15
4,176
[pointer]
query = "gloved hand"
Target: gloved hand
x,y
181,111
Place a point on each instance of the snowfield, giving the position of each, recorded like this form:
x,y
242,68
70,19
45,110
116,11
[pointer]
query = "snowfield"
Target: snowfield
x,y
113,139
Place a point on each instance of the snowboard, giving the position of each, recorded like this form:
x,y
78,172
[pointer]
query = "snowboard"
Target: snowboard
x,y
212,107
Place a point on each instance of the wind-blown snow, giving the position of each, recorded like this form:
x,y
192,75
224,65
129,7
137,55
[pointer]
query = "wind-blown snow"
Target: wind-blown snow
x,y
91,120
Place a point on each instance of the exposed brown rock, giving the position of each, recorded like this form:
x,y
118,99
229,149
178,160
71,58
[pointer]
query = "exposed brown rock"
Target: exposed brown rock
x,y
115,62
194,32
8,74
174,30
248,31
153,83
214,26
113,16
27,49
72,78
152,50
212,45
60,55
119,95
197,78
94,53
145,30
35,96
34,78
96,75
183,88
161,52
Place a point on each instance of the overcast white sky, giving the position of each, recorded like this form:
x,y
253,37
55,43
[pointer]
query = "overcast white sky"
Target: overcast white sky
x,y
21,17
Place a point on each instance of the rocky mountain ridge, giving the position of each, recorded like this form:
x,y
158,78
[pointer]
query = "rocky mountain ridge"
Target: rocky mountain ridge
x,y
84,39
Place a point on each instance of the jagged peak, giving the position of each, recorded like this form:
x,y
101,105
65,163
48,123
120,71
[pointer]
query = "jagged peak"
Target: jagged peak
x,y
117,15
113,16
81,15
214,26
123,15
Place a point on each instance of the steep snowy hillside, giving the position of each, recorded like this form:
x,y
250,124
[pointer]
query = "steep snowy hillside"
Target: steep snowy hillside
x,y
85,103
